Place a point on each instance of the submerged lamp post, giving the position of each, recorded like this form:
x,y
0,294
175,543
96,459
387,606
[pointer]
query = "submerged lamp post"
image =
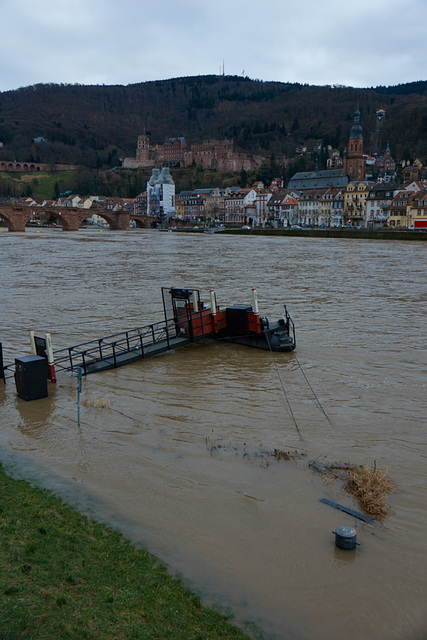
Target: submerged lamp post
x,y
79,390
78,373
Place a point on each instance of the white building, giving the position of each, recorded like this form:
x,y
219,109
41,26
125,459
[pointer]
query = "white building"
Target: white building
x,y
377,205
161,194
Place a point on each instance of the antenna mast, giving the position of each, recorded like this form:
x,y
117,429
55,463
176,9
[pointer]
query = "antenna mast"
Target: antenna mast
x,y
380,115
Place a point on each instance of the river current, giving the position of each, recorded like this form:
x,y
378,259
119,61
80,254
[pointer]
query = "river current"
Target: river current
x,y
175,451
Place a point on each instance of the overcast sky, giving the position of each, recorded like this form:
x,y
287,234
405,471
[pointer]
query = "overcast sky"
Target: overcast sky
x,y
361,44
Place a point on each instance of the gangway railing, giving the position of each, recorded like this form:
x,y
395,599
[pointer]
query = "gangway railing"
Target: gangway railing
x,y
113,349
8,372
5,372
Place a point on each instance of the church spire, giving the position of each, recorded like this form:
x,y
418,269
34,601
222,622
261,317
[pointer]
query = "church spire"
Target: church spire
x,y
356,131
354,160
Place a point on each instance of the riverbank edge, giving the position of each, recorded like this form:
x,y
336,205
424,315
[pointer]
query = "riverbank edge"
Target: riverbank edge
x,y
65,575
363,234
358,234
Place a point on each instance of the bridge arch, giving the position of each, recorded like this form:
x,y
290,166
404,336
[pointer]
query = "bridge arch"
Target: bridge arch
x,y
143,222
69,220
102,219
15,219
112,219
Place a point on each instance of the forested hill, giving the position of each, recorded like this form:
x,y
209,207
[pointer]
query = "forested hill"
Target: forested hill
x,y
97,125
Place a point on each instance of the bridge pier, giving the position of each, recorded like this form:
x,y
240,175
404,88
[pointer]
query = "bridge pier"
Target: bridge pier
x,y
18,224
69,223
122,221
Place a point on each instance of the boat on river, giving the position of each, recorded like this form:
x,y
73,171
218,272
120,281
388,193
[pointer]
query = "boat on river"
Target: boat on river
x,y
212,230
187,319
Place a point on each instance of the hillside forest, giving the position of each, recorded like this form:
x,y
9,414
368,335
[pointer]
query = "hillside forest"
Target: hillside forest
x,y
95,127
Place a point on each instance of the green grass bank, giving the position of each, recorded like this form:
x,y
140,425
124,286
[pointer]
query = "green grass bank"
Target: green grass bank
x,y
64,576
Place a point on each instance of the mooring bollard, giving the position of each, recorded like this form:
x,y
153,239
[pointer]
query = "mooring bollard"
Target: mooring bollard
x,y
345,537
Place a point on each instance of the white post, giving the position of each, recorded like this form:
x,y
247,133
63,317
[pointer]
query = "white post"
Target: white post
x,y
256,313
195,302
255,300
213,301
213,308
50,359
32,342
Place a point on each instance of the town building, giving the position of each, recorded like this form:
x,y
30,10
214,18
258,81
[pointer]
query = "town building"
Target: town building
x,y
335,160
411,172
378,203
408,209
140,204
418,212
283,209
303,180
355,198
400,212
385,164
331,204
234,202
192,205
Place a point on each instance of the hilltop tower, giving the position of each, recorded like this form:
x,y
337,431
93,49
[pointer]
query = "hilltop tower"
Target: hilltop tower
x,y
354,161
143,148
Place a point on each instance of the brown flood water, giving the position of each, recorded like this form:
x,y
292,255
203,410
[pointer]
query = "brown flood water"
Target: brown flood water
x,y
170,449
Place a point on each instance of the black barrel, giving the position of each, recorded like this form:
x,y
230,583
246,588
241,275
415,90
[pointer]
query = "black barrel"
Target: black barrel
x,y
345,537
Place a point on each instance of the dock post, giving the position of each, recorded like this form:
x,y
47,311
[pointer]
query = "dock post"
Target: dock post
x,y
256,311
32,342
50,358
213,307
195,302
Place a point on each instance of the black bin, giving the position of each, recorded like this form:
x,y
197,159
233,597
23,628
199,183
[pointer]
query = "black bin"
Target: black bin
x,y
238,320
30,377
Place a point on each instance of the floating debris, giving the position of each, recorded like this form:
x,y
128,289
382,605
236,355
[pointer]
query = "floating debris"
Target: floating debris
x,y
286,455
97,403
365,483
262,458
370,488
351,512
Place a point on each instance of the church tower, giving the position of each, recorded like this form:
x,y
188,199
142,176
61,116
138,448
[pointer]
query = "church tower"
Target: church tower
x,y
354,162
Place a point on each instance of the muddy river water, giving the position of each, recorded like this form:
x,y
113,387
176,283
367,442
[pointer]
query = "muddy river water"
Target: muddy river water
x,y
174,450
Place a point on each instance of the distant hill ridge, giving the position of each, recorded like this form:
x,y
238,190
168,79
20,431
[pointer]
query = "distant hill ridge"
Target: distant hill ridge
x,y
96,125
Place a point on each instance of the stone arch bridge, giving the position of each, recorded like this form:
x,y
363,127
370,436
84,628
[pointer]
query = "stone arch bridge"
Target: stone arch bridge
x,y
16,217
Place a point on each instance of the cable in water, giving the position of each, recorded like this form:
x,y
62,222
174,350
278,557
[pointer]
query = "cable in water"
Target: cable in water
x,y
283,389
312,391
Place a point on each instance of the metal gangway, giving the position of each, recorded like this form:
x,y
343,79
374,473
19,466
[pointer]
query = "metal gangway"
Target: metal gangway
x,y
125,347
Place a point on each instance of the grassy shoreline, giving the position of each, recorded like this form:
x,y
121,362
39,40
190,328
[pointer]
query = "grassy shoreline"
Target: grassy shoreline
x,y
64,576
